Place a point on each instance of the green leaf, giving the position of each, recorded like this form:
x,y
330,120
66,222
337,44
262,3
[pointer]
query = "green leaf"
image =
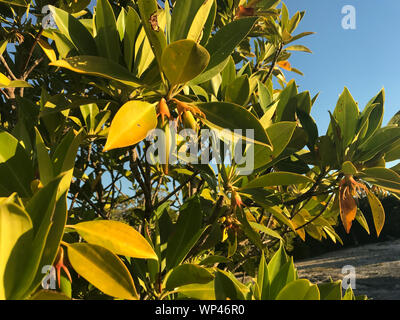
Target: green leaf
x,y
222,44
40,209
238,91
103,269
299,290
16,234
330,290
49,295
382,177
362,221
266,230
380,142
285,275
107,38
184,60
226,287
183,17
286,109
278,260
132,25
188,230
117,237
12,158
239,118
298,47
200,20
198,291
74,31
280,134
346,113
263,278
187,274
374,116
46,169
349,294
349,168
98,66
149,14
277,179
378,213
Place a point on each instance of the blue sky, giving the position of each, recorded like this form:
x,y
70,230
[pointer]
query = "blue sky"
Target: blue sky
x,y
364,59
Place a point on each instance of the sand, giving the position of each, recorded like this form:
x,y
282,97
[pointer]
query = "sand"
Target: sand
x,y
376,266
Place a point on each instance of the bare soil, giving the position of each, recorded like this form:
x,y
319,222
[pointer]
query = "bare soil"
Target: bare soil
x,y
377,268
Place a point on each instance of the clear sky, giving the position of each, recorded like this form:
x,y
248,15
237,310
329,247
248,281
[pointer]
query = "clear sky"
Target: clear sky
x,y
364,60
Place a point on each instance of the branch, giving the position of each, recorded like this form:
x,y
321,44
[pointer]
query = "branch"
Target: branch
x,y
7,68
273,63
180,187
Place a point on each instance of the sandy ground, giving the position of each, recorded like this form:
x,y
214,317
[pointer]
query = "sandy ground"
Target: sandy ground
x,y
377,269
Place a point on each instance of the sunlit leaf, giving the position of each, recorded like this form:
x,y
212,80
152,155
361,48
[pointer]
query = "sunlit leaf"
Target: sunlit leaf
x,y
103,269
117,237
131,124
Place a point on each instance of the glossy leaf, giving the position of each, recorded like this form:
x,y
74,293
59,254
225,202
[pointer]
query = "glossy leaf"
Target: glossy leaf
x,y
117,237
184,60
378,213
149,14
226,287
200,20
330,290
12,158
98,66
103,269
222,44
187,231
382,177
198,291
44,162
107,37
16,234
184,17
74,31
238,91
346,113
299,290
187,274
131,124
240,118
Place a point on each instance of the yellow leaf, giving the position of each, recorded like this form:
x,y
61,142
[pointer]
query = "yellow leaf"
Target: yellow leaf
x,y
131,124
4,81
117,237
103,269
48,50
378,213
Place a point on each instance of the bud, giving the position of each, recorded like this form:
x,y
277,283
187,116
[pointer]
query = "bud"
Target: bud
x,y
168,141
189,121
36,185
163,109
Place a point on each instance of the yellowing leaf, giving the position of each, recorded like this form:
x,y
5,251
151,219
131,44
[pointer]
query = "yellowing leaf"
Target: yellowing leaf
x,y
378,213
285,65
131,124
117,237
103,269
48,50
